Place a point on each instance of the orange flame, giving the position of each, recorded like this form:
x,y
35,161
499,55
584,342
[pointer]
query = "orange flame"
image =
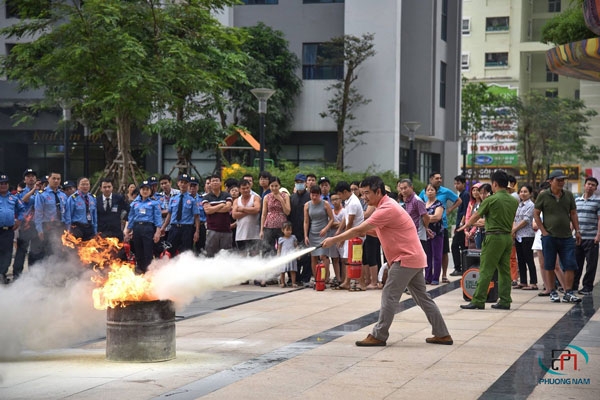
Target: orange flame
x,y
116,279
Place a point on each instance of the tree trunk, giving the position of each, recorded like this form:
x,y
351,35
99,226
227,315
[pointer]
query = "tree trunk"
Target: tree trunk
x,y
123,169
125,158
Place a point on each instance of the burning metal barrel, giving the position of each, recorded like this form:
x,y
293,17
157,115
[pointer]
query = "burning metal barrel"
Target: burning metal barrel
x,y
142,331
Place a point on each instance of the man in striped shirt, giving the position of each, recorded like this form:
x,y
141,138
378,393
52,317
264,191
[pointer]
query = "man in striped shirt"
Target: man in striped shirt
x,y
588,212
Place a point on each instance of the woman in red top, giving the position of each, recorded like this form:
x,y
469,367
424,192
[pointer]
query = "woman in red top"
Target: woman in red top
x,y
276,207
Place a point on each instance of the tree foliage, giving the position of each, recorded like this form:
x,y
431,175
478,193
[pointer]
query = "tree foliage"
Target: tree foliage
x,y
121,61
350,51
477,104
552,130
568,26
270,64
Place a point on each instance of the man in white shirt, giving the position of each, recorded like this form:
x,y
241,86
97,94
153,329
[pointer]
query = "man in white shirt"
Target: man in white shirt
x,y
354,217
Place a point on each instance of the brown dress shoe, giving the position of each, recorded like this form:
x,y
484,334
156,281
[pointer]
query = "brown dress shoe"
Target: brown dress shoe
x,y
440,340
370,341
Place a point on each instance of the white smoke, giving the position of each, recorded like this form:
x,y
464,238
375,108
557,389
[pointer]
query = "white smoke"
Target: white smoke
x,y
51,306
187,277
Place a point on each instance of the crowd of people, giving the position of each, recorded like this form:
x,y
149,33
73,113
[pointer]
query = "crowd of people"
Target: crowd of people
x,y
230,215
504,224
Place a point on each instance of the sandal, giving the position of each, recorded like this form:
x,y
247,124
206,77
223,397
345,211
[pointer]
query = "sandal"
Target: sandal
x,y
520,286
340,287
531,287
445,280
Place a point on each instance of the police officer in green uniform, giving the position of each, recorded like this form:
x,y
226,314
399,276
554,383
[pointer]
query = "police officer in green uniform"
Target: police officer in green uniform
x,y
499,212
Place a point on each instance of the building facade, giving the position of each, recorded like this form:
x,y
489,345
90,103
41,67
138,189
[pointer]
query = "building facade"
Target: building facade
x,y
414,76
501,46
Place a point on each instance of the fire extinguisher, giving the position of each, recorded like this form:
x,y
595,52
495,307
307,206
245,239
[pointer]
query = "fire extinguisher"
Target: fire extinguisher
x,y
354,265
165,253
128,254
320,278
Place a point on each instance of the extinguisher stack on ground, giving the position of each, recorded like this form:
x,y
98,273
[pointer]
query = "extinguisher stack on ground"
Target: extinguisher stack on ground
x,y
354,265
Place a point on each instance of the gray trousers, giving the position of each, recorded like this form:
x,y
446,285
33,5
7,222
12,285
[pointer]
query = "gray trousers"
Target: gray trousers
x,y
217,241
398,279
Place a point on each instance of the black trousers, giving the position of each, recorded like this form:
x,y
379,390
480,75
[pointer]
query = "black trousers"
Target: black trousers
x,y
458,245
84,232
6,249
28,245
525,260
53,232
143,241
181,238
587,252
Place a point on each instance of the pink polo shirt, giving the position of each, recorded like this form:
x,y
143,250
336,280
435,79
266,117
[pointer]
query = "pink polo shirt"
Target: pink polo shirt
x,y
397,234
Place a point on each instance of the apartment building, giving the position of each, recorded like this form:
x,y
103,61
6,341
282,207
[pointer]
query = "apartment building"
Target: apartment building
x,y
501,46
414,77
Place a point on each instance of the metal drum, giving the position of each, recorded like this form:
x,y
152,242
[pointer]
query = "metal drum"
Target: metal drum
x,y
141,331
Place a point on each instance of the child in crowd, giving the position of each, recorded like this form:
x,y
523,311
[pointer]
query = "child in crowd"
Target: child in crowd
x,y
285,245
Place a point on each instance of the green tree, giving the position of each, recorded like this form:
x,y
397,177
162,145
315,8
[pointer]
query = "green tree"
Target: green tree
x,y
350,51
568,26
552,130
120,60
270,64
209,61
478,102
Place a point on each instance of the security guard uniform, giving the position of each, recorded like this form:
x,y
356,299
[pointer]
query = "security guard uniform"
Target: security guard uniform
x,y
144,218
28,243
49,217
183,226
10,206
81,215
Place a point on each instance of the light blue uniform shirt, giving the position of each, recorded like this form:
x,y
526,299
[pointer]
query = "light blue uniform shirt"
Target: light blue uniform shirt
x,y
189,210
45,208
144,211
10,207
77,212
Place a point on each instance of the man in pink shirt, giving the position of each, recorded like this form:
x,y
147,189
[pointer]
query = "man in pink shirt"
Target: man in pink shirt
x,y
402,247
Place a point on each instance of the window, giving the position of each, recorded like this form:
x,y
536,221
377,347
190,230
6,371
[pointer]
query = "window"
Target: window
x,y
428,162
443,84
404,161
304,154
464,61
321,1
577,94
495,24
551,93
252,2
496,59
13,8
551,76
318,62
444,33
466,26
553,5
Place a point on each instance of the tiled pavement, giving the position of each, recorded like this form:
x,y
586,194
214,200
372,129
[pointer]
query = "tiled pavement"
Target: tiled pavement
x,y
286,344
